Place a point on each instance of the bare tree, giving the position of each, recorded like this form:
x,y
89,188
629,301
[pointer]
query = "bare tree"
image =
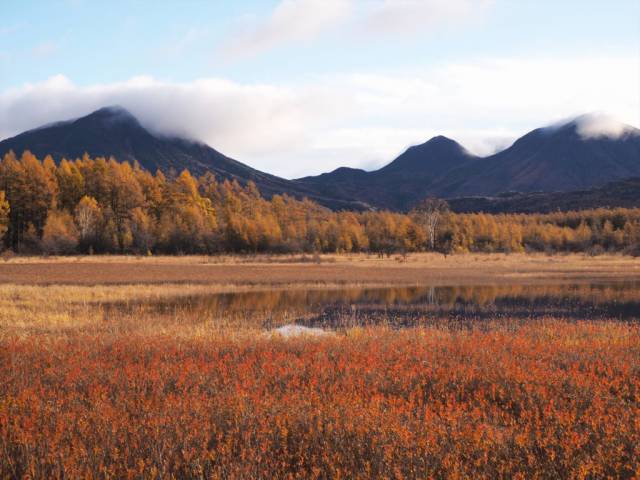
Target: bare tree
x,y
87,216
430,212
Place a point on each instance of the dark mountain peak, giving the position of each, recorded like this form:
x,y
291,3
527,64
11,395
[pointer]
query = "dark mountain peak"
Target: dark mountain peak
x,y
535,139
580,153
399,184
586,127
111,110
348,171
594,125
114,132
434,156
108,117
441,140
339,174
439,145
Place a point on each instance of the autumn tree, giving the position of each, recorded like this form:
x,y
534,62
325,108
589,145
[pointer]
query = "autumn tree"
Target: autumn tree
x,y
70,185
188,220
124,195
88,217
29,190
4,214
142,230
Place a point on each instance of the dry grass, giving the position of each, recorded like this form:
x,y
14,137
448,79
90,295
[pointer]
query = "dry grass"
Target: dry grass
x,y
423,269
182,309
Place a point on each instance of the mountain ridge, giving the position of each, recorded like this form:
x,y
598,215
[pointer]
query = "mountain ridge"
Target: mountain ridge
x,y
556,158
580,154
407,174
114,132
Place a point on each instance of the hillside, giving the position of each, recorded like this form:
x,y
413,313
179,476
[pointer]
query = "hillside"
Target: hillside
x,y
114,132
624,194
569,157
559,158
401,183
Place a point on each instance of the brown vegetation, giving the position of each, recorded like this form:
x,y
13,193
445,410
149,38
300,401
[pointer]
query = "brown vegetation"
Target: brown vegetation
x,y
415,269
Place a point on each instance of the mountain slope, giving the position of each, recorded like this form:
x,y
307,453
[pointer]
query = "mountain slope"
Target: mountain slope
x,y
548,159
401,183
623,193
573,156
113,131
553,159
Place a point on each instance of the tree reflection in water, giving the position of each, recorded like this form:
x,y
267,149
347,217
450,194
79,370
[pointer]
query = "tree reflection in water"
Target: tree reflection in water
x,y
403,306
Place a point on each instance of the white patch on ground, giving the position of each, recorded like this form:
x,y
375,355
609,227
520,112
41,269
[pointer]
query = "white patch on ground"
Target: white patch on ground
x,y
289,331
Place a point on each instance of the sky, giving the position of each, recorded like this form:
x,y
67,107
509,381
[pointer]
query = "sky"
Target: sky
x,y
301,87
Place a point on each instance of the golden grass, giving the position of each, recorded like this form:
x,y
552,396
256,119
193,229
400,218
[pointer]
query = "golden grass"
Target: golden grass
x,y
54,310
418,269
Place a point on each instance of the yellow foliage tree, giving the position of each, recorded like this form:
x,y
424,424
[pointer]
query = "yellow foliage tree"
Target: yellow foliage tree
x,y
4,214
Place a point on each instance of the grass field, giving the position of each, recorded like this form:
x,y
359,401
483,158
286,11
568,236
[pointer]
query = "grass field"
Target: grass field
x,y
103,375
423,269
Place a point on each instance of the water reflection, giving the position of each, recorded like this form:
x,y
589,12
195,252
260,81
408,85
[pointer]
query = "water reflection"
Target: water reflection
x,y
406,306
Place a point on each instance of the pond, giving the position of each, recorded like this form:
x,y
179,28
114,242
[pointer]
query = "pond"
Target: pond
x,y
338,308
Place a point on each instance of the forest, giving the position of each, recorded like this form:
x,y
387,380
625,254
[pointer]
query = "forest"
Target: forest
x,y
99,205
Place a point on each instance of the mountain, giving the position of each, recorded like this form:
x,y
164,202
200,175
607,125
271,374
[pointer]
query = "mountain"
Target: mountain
x,y
401,183
581,154
113,131
623,193
561,158
576,156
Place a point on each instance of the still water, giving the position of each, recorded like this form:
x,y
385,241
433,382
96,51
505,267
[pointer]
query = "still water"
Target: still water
x,y
337,308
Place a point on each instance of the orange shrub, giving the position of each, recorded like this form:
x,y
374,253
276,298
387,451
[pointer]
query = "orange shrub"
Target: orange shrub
x,y
546,400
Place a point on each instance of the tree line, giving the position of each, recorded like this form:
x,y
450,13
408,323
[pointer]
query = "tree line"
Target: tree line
x,y
99,205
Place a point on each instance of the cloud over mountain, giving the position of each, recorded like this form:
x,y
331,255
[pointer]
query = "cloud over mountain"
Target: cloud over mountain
x,y
596,125
325,121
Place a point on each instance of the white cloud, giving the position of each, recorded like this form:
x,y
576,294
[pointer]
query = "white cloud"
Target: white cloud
x,y
290,21
409,16
359,120
597,125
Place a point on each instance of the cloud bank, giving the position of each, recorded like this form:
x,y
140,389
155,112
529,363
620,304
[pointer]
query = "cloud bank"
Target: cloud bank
x,y
359,120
